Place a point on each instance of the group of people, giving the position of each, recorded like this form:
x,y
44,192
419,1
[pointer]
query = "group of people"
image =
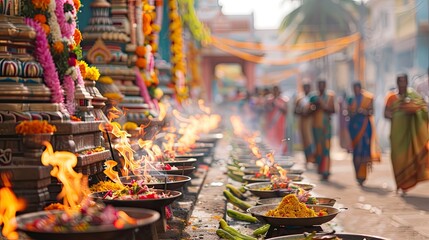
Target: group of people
x,y
314,110
409,135
266,110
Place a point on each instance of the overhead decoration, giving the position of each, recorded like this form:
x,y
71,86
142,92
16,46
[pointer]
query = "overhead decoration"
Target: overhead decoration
x,y
178,61
319,51
199,31
147,79
55,25
285,47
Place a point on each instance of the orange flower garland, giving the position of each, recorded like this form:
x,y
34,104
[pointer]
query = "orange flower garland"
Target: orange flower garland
x,y
141,63
141,51
77,4
59,47
34,127
77,36
40,18
41,4
46,28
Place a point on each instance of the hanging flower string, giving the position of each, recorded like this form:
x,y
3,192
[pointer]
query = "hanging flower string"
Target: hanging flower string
x,y
67,26
53,22
143,89
69,88
79,79
45,59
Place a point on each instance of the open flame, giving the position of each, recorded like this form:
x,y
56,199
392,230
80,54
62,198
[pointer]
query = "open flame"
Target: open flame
x,y
237,125
256,152
203,107
168,145
63,163
110,173
162,111
113,113
9,205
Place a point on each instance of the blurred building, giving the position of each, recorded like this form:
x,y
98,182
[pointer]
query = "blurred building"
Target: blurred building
x,y
236,27
397,41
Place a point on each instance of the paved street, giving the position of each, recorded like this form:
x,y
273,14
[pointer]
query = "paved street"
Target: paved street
x,y
375,208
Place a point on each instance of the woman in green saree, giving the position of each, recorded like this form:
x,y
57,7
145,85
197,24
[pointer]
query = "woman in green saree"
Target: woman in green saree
x,y
408,135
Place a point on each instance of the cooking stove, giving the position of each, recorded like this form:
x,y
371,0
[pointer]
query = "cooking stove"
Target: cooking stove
x,y
290,230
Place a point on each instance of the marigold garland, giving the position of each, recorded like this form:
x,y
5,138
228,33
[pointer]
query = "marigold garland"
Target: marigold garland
x,y
77,4
41,4
40,18
58,46
140,51
46,29
34,127
92,73
77,36
141,63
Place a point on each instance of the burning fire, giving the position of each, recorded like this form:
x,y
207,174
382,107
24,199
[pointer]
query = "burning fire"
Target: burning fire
x,y
162,111
237,125
63,163
112,174
202,107
9,205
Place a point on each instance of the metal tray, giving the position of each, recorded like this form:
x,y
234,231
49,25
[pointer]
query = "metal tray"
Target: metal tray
x,y
259,213
182,170
322,201
253,188
343,236
253,179
105,232
182,162
174,182
153,204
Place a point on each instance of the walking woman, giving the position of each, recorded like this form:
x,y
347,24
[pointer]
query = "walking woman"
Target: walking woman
x,y
324,106
362,132
408,135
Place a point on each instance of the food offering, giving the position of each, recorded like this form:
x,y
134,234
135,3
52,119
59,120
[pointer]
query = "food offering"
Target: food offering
x,y
290,206
133,192
157,181
291,212
80,219
88,221
166,168
304,197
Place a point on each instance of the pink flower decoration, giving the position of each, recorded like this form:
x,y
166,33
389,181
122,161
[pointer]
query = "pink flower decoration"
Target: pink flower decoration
x,y
67,29
79,79
44,57
144,93
72,62
69,88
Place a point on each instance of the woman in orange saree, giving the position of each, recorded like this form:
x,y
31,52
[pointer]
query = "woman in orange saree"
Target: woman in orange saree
x,y
362,132
408,135
323,106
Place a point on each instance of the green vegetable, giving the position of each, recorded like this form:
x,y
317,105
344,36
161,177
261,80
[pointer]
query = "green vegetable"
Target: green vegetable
x,y
241,216
242,189
261,230
235,191
234,232
225,235
236,201
233,168
235,177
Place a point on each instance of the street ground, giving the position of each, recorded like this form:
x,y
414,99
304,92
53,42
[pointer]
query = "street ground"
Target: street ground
x,y
374,209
